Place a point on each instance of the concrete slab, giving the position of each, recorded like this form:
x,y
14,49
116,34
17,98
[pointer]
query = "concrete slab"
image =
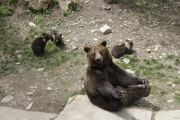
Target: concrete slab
x,y
168,115
7,113
80,108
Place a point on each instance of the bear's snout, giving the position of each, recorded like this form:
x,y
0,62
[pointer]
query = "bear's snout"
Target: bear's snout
x,y
98,59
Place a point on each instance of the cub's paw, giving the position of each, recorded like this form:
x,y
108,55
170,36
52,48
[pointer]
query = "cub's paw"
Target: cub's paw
x,y
143,81
119,93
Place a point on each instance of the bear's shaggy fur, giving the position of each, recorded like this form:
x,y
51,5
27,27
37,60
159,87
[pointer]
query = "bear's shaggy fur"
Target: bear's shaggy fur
x,y
125,48
39,44
107,85
56,37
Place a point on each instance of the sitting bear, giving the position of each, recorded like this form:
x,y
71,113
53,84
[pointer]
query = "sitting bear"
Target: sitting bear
x,y
125,48
56,37
39,44
107,85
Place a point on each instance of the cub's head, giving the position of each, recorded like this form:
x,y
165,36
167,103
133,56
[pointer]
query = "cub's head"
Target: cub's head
x,y
129,44
57,37
98,55
46,36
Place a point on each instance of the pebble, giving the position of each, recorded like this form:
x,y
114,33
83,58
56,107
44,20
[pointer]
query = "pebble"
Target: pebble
x,y
49,88
29,106
30,93
177,93
127,61
105,29
169,101
7,99
129,71
32,24
40,69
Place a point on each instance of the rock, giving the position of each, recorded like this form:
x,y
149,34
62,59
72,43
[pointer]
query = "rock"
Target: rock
x,y
179,72
127,61
29,93
177,93
37,4
94,30
19,56
29,106
129,71
148,50
32,24
40,69
18,63
68,5
76,109
173,85
105,29
7,99
169,83
33,87
169,101
49,88
168,115
106,8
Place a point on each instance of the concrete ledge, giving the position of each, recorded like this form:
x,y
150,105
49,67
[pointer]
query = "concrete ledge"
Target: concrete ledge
x,y
168,115
80,108
7,113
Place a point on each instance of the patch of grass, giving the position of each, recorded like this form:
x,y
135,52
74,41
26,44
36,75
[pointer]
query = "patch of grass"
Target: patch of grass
x,y
177,61
162,92
82,78
159,66
65,33
177,98
154,89
5,8
169,57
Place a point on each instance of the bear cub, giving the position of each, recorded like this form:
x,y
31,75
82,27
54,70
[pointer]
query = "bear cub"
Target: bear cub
x,y
56,37
39,44
125,48
107,85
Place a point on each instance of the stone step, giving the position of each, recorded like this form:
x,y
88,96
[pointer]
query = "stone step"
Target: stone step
x,y
7,113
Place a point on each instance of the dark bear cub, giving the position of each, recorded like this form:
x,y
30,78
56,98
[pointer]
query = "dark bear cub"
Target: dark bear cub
x,y
56,38
39,44
125,48
107,85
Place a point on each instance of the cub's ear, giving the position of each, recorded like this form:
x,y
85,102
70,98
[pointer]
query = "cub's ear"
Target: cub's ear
x,y
103,43
86,49
43,34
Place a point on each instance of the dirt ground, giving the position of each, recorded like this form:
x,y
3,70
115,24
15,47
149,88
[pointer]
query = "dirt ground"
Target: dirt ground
x,y
49,89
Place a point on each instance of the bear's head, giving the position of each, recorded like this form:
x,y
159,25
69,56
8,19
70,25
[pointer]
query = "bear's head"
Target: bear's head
x,y
98,55
57,37
46,36
129,44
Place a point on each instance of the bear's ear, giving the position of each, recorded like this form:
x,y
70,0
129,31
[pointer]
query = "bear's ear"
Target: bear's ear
x,y
103,43
43,34
86,49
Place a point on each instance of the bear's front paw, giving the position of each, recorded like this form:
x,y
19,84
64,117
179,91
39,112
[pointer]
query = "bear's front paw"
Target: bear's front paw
x,y
119,93
143,81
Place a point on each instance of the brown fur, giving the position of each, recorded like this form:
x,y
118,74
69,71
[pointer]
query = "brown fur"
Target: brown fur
x,y
56,37
119,50
39,44
107,85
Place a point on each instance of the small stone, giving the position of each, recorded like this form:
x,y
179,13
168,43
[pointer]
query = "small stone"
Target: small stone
x,y
177,93
30,93
179,72
106,8
18,63
148,50
29,106
94,30
127,61
169,83
32,24
95,39
173,85
105,29
33,87
7,99
40,69
49,88
129,71
169,101
19,56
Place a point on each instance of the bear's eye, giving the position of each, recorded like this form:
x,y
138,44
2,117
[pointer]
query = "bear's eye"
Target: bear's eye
x,y
100,52
94,54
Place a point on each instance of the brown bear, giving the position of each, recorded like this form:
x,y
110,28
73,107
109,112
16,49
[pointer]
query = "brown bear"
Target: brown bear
x,y
56,38
125,48
107,85
39,44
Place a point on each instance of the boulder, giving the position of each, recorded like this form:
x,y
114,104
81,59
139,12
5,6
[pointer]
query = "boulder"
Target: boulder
x,y
38,4
80,108
68,5
105,29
